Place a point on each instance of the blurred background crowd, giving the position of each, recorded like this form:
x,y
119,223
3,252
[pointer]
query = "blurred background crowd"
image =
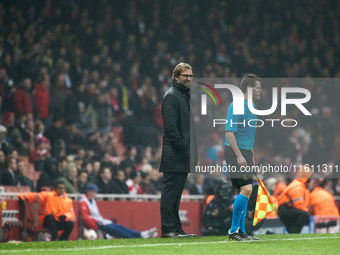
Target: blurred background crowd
x,y
81,84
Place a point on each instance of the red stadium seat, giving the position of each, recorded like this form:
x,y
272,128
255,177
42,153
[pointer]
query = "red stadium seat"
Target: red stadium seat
x,y
23,189
16,189
29,218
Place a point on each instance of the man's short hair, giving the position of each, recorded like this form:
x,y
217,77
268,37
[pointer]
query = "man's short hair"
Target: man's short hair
x,y
10,151
82,172
249,81
61,159
57,183
134,174
9,161
101,171
78,159
116,172
180,68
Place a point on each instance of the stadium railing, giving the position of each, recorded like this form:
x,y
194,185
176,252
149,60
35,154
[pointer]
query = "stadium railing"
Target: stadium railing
x,y
110,197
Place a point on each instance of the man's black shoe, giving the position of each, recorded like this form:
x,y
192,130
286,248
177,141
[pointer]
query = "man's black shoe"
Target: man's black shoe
x,y
238,236
249,236
183,234
170,235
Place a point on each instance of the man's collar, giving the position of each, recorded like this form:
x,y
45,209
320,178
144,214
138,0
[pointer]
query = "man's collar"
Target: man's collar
x,y
181,87
56,194
89,198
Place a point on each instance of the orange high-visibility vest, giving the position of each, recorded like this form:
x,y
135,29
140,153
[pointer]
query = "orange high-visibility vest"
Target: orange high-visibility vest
x,y
296,195
50,203
209,198
279,188
322,203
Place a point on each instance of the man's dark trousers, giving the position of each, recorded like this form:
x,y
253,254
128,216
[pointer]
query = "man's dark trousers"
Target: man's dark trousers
x,y
173,185
53,226
294,219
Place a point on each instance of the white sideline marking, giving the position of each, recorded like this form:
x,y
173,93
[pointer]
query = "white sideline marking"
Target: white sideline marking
x,y
162,244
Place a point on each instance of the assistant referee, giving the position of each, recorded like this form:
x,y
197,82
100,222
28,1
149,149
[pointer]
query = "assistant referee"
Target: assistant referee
x,y
238,152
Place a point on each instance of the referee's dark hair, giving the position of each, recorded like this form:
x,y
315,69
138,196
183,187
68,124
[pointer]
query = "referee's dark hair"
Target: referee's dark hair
x,y
249,81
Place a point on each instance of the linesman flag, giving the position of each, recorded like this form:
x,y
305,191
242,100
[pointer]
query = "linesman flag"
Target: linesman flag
x,y
264,203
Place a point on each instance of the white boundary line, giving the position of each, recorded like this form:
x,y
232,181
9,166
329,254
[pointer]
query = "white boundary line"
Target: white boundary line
x,y
161,244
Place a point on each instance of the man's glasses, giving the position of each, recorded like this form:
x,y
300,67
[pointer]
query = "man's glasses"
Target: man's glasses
x,y
187,76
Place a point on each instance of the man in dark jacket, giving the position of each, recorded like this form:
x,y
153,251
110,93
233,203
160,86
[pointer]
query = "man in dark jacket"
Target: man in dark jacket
x,y
176,159
54,132
23,180
9,177
119,185
105,181
52,170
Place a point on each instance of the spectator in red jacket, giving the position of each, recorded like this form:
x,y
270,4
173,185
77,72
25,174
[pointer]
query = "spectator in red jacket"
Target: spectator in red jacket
x,y
41,150
42,97
22,98
133,183
92,218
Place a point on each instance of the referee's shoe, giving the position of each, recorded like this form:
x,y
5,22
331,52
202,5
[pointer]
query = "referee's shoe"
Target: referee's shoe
x,y
237,236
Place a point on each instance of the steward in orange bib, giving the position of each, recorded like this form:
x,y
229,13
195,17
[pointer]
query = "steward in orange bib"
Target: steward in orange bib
x,y
55,211
278,190
294,200
322,202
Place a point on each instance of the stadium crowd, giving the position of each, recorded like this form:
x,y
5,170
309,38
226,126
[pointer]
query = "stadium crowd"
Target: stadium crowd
x,y
71,72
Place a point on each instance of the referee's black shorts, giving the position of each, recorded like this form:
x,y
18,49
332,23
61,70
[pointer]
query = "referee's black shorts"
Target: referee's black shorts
x,y
238,178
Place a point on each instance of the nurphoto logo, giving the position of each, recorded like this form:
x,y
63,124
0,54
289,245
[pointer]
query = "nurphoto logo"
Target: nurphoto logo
x,y
238,104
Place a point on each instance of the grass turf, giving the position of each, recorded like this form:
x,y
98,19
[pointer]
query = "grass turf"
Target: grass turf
x,y
272,244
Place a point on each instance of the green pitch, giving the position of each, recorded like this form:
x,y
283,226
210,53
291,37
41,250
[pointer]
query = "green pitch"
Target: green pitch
x,y
271,244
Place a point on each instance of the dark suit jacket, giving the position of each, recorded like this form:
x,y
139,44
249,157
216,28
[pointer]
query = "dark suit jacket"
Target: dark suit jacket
x,y
105,188
119,187
178,153
7,179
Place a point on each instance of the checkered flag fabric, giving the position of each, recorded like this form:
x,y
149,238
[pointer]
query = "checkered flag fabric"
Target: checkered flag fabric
x,y
264,203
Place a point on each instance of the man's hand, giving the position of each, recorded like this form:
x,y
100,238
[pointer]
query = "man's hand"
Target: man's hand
x,y
62,218
241,161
